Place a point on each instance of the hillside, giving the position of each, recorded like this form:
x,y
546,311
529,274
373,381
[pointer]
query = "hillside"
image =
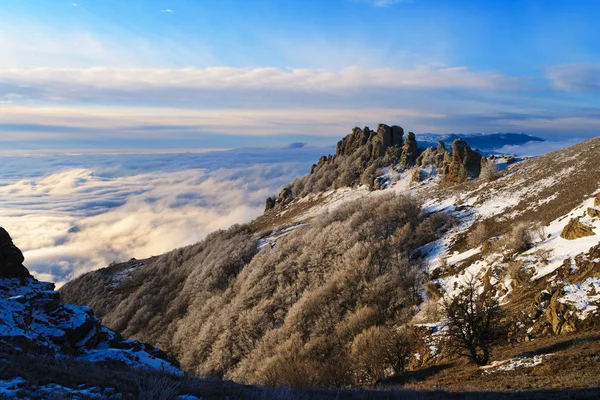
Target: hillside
x,y
356,259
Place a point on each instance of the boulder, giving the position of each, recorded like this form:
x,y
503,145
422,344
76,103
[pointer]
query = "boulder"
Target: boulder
x,y
597,200
285,196
593,212
270,204
575,229
11,258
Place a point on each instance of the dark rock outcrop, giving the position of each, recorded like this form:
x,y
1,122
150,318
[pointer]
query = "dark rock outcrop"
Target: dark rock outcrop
x,y
269,203
11,258
597,200
410,151
34,321
593,212
465,163
575,229
373,143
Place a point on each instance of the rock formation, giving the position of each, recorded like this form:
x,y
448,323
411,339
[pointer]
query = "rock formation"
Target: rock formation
x,y
575,229
34,321
438,157
11,258
593,212
410,151
465,163
597,200
374,143
269,203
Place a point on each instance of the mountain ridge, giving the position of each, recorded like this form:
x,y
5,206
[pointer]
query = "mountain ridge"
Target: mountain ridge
x,y
299,280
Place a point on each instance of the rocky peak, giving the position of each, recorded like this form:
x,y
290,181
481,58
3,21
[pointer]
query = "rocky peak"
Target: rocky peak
x,y
374,143
32,320
11,258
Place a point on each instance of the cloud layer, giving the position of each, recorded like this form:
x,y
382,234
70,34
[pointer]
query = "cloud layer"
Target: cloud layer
x,y
72,214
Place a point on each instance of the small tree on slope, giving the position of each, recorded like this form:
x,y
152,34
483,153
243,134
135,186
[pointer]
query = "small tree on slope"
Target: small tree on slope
x,y
474,322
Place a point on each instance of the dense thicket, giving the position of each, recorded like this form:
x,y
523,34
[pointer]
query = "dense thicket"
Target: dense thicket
x,y
308,311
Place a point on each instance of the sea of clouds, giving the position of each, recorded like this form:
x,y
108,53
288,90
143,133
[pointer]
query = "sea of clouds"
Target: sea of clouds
x,y
75,213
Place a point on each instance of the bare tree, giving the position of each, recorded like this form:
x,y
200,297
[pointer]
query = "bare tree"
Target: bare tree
x,y
489,171
474,322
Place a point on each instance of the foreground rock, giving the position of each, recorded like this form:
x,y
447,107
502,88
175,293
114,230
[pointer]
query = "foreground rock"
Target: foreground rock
x,y
575,229
11,258
32,321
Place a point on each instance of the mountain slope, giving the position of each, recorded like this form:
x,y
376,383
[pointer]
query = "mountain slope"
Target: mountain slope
x,y
293,298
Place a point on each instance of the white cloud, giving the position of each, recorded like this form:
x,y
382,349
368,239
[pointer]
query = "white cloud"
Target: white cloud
x,y
168,10
186,83
75,4
581,78
76,214
385,3
532,149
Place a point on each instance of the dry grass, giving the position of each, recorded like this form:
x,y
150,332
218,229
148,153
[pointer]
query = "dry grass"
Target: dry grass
x,y
572,364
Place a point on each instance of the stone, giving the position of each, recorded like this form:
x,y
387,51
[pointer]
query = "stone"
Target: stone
x,y
397,135
593,212
11,258
597,200
575,229
409,151
269,204
285,195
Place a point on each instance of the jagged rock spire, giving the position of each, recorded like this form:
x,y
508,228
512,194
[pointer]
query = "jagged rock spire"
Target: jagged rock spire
x,y
11,258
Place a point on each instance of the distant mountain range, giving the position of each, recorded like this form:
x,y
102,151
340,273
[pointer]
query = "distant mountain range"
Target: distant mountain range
x,y
481,141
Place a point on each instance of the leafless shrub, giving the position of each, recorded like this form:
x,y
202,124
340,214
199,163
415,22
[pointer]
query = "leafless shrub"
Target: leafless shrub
x,y
517,272
474,322
489,171
432,311
378,351
519,239
478,236
540,230
286,315
543,255
157,387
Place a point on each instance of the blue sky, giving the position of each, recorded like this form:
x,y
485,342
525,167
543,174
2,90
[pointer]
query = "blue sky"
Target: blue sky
x,y
183,74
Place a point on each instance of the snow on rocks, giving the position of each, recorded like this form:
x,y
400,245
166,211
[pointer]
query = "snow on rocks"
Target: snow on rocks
x,y
277,234
33,320
20,388
514,363
585,297
562,249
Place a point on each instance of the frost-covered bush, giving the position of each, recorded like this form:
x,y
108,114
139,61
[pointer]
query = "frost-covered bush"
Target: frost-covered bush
x,y
286,315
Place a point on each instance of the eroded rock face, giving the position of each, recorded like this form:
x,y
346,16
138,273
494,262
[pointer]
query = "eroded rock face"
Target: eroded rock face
x,y
575,229
409,151
465,163
438,157
11,258
597,200
33,320
374,143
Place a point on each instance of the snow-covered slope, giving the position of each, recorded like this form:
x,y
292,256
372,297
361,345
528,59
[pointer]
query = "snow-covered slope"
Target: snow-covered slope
x,y
33,322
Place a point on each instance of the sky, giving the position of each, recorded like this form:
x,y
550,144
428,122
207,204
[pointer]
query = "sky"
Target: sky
x,y
129,128
197,74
